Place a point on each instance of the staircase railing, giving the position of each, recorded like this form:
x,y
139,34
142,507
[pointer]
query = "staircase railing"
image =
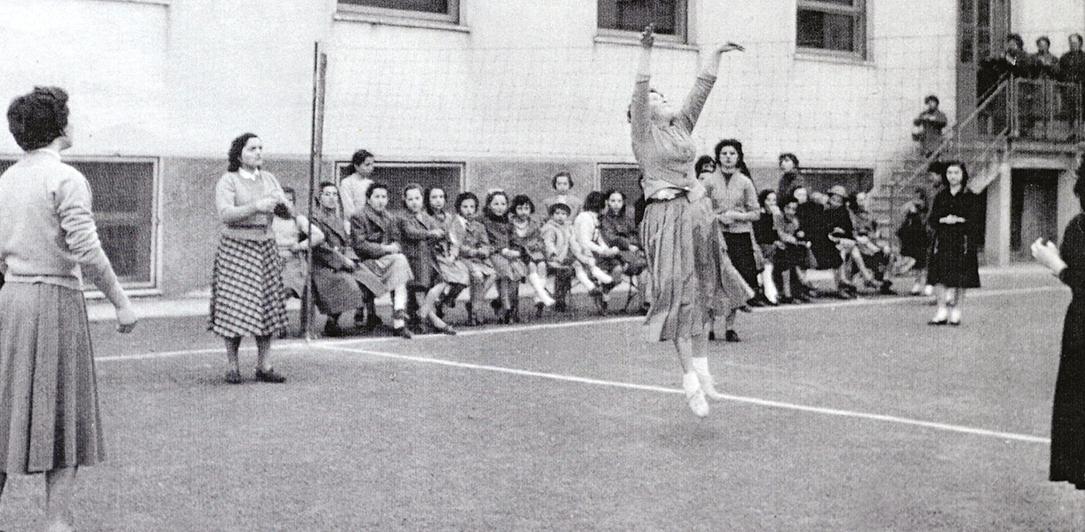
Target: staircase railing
x,y
991,117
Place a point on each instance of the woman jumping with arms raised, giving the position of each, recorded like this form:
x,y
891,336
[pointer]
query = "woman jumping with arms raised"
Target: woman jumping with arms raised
x,y
671,229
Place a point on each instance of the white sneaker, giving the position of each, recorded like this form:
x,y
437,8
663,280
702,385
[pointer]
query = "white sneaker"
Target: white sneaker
x,y
940,317
928,290
708,385
695,396
955,316
917,289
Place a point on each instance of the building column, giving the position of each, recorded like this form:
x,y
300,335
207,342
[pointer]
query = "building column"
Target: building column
x,y
997,246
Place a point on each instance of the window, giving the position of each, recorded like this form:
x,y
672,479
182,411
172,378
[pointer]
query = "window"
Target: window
x,y
669,16
835,26
446,176
624,178
853,179
124,205
437,10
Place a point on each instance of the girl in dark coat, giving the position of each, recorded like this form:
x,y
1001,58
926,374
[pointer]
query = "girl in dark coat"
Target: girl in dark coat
x,y
506,260
1068,414
954,265
421,234
915,238
376,241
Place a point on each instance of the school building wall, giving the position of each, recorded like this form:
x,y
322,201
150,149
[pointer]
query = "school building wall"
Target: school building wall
x,y
517,91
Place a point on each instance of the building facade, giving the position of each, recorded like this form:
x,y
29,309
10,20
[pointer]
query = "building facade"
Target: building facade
x,y
475,95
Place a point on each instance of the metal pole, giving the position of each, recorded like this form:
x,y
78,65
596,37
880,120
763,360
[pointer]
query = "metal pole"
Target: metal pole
x,y
316,155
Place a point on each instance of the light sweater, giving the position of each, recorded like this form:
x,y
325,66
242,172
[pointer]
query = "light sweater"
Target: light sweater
x,y
233,190
47,229
666,152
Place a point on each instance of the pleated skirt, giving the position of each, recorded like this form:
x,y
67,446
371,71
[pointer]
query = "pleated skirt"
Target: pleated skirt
x,y
673,235
247,295
49,416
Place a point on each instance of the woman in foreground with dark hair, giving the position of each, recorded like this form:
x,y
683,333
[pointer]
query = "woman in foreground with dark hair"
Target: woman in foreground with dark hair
x,y
49,418
247,294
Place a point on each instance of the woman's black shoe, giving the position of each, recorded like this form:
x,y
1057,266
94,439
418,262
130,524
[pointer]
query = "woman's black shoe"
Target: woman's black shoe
x,y
732,336
332,329
402,332
269,375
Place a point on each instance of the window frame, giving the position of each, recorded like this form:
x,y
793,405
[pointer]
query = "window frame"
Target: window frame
x,y
384,14
859,11
151,285
681,32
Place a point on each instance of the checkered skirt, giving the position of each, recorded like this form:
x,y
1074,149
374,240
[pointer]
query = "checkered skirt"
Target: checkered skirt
x,y
247,295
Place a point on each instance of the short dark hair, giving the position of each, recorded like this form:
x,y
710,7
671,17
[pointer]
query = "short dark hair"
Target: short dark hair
x,y
490,198
360,156
521,199
234,155
931,97
1076,36
964,172
325,184
702,162
410,187
464,196
425,198
375,186
1043,38
790,156
737,145
1017,39
290,190
763,195
559,206
595,201
39,117
554,180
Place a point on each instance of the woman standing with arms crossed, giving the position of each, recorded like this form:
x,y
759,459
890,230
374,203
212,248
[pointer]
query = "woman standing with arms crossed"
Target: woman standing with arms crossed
x,y
246,282
49,418
665,152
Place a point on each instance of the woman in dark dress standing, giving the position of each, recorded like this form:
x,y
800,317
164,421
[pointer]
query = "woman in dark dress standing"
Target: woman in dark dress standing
x,y
1068,414
954,266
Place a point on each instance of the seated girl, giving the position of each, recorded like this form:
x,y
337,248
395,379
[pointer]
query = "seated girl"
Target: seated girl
x,y
475,251
420,233
564,258
618,231
376,241
527,239
562,182
447,252
505,258
292,238
339,279
792,251
586,225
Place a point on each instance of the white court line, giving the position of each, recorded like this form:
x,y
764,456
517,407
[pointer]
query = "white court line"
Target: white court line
x,y
279,345
735,398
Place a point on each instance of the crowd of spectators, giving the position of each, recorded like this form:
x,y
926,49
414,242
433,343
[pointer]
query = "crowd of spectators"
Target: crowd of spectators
x,y
431,247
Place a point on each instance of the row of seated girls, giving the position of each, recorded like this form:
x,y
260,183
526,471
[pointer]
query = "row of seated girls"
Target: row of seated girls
x,y
430,249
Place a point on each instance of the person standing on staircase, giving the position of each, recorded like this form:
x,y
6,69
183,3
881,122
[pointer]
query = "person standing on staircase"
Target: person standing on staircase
x,y
928,126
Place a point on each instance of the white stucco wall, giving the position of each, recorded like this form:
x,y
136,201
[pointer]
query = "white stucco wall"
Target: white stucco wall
x,y
526,80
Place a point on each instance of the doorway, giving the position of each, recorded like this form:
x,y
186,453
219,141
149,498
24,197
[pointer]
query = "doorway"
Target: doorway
x,y
982,26
1033,209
